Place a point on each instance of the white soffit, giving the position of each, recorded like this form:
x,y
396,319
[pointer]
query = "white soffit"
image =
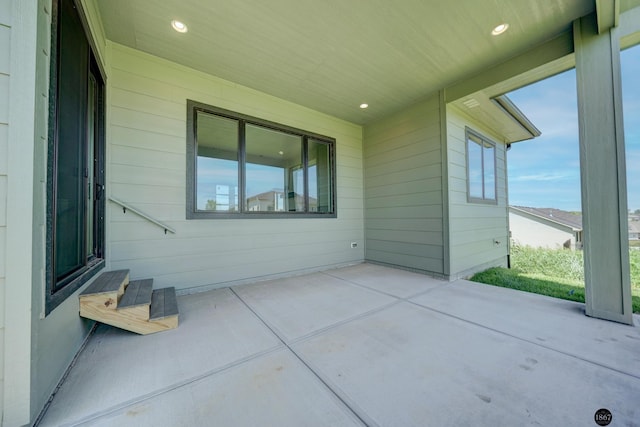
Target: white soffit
x,y
512,126
331,55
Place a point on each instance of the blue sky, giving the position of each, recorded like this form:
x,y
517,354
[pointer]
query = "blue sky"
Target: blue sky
x,y
545,172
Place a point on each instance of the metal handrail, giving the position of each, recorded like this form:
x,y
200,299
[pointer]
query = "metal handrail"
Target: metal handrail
x,y
142,214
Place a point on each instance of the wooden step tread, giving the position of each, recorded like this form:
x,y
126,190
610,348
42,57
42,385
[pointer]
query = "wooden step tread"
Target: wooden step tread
x,y
138,293
163,303
109,281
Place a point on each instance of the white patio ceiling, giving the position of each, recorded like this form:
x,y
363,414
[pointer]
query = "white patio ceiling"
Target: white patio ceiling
x,y
333,55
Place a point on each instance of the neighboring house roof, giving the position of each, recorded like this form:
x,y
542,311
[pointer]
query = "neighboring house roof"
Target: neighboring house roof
x,y
572,220
269,195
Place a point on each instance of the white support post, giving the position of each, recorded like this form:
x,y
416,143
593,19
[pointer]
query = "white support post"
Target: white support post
x,y
602,172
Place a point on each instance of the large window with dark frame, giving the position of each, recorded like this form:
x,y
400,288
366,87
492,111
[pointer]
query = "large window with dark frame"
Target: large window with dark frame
x,y
242,166
75,176
481,168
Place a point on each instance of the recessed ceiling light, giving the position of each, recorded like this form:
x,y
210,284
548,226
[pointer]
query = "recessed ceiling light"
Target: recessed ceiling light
x,y
179,26
363,106
500,29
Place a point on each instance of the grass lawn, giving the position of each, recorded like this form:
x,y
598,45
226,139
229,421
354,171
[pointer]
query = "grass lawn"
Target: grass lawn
x,y
556,273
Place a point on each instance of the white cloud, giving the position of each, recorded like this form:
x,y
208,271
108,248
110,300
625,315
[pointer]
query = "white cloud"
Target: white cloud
x,y
546,170
540,177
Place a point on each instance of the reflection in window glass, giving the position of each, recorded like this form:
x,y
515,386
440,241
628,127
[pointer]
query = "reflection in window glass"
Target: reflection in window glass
x,y
240,166
217,164
474,167
319,160
274,178
489,168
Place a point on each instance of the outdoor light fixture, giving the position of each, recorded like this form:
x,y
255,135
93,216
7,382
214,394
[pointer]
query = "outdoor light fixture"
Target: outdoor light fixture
x,y
363,106
500,29
179,26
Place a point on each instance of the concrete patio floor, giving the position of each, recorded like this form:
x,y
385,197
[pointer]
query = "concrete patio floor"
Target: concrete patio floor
x,y
360,345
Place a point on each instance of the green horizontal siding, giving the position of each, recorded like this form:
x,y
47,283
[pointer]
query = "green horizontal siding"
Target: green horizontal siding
x,y
473,227
147,168
403,189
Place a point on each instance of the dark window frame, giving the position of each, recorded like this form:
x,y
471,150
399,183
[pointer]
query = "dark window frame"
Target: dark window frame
x,y
193,107
57,291
469,134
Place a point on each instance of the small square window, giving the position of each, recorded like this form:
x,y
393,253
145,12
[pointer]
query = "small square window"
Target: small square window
x,y
481,168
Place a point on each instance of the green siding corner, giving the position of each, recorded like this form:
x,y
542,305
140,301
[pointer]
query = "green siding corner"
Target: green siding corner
x,y
474,228
403,189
